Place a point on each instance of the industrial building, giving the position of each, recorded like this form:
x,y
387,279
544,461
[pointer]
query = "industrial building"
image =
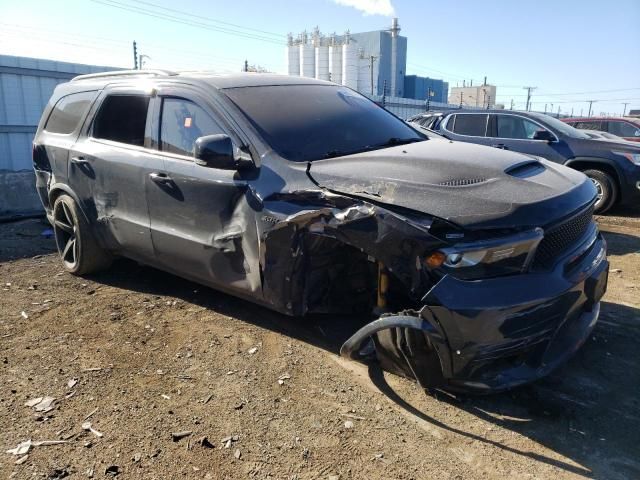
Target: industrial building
x,y
480,96
373,63
421,88
25,87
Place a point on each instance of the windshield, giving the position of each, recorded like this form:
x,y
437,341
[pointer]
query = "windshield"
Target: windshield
x,y
310,122
562,127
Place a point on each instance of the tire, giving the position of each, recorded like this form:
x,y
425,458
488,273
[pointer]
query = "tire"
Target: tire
x,y
607,189
77,247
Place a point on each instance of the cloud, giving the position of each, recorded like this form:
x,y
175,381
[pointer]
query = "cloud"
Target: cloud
x,y
370,7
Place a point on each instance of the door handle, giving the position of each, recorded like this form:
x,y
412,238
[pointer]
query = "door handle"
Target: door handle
x,y
79,160
160,178
501,146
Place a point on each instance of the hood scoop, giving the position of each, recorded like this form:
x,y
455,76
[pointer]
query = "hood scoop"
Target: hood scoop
x,y
462,182
525,169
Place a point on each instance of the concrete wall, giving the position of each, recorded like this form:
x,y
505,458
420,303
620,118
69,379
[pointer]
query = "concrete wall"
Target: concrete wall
x,y
25,87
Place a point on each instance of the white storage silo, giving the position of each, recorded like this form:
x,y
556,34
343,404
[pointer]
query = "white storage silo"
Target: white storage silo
x,y
293,57
349,65
335,61
307,58
322,62
364,74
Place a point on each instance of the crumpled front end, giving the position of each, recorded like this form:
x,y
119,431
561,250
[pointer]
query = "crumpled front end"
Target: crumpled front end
x,y
519,311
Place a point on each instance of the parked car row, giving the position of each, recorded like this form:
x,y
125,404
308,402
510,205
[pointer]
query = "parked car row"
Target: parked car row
x,y
613,166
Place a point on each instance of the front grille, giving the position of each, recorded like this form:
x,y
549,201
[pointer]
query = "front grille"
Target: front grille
x,y
558,238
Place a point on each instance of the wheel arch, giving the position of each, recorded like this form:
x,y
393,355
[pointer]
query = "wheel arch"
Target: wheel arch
x,y
602,164
58,189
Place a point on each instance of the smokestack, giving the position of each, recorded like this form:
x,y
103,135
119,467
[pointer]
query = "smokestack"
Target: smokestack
x,y
395,31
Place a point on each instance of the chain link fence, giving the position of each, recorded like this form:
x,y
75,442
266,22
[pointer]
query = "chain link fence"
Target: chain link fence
x,y
406,108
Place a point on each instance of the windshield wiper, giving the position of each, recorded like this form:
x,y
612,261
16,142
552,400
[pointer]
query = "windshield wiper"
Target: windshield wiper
x,y
392,142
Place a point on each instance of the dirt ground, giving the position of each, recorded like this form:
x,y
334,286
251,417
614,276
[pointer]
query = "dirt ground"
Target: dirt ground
x,y
142,354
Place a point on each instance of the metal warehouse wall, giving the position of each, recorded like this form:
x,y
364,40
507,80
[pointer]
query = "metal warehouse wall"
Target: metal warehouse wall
x,y
25,87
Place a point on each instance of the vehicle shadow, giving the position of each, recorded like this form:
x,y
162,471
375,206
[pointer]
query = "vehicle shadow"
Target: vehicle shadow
x,y
621,243
587,411
577,412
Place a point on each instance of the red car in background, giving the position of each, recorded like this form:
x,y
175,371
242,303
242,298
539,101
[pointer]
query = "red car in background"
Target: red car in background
x,y
627,128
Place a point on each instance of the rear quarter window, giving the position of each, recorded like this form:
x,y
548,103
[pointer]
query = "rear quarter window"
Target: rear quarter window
x,y
69,112
469,124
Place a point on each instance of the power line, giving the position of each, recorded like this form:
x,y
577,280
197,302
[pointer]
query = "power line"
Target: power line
x,y
192,23
200,17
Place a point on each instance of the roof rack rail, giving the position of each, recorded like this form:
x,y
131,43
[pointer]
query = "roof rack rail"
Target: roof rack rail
x,y
123,73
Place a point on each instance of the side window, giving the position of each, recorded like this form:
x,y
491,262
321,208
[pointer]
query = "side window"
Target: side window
x,y
122,118
182,122
470,124
624,129
511,126
451,123
589,125
69,112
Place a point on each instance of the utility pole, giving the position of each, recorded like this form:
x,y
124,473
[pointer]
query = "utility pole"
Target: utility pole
x,y
590,103
372,58
545,108
572,111
429,94
141,60
558,111
488,101
135,55
529,90
624,112
246,65
460,99
512,104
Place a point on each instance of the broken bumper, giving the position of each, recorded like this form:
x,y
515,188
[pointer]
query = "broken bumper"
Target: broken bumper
x,y
495,334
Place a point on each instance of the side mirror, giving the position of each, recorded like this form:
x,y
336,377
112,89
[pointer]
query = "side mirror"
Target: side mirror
x,y
217,151
545,135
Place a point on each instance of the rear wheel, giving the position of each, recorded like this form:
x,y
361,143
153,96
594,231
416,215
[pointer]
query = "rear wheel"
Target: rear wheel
x,y
606,187
78,249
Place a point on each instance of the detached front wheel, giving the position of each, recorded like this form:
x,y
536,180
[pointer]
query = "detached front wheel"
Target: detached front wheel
x,y
606,187
78,249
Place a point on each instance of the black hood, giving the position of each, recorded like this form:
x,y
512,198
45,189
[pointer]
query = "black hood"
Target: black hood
x,y
470,185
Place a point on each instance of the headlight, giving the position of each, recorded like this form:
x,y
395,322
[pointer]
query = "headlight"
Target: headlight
x,y
632,157
489,258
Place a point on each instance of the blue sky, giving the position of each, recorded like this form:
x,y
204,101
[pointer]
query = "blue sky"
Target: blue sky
x,y
572,50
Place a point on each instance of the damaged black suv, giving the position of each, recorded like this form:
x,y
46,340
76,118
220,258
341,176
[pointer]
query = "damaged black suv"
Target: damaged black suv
x,y
483,269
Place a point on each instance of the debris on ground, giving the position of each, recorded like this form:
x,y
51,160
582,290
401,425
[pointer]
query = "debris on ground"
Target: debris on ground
x,y
72,382
283,377
24,447
21,460
41,404
348,424
87,426
237,454
112,470
204,442
24,314
177,436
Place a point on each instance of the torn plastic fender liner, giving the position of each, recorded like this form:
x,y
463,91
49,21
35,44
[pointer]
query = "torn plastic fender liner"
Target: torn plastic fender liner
x,y
406,345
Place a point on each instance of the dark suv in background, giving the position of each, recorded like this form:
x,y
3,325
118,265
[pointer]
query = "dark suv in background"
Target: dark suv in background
x,y
622,127
484,266
614,167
